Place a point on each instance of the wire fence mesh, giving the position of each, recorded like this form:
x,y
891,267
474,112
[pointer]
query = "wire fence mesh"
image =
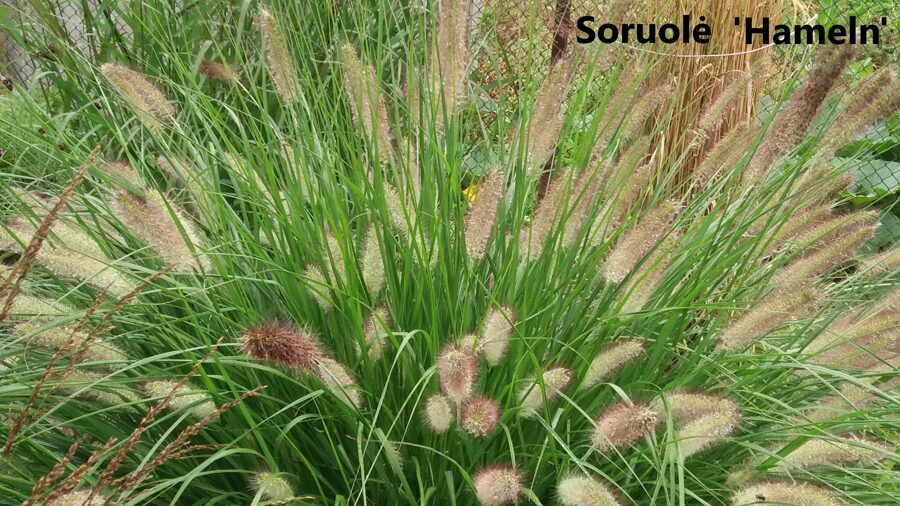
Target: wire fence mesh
x,y
522,38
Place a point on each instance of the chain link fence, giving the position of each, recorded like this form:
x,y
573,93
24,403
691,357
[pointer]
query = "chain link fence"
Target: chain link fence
x,y
523,37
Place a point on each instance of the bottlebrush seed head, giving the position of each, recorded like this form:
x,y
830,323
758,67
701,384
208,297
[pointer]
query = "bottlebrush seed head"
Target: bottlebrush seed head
x,y
859,345
67,255
479,416
708,430
272,487
158,222
883,263
619,206
457,372
844,245
579,490
854,397
219,71
479,221
546,122
438,413
686,407
890,301
152,106
717,111
338,379
790,125
829,229
91,386
547,210
877,100
637,242
397,209
819,185
498,485
555,380
622,425
283,344
372,264
471,342
800,494
643,283
724,155
794,231
81,497
766,316
318,286
837,452
610,359
645,108
367,105
278,58
198,402
585,189
496,334
449,64
57,338
375,329
26,306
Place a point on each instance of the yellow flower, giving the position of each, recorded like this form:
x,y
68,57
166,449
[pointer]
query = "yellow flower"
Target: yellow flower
x,y
470,192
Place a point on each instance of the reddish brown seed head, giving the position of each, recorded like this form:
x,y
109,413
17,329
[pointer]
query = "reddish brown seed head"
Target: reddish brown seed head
x,y
282,343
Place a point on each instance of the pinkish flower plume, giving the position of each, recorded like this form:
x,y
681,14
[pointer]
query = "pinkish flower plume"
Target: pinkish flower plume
x,y
498,485
623,425
457,372
611,358
479,416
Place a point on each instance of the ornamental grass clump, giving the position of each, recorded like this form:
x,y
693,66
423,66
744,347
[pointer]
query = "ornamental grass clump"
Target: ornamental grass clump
x,y
356,275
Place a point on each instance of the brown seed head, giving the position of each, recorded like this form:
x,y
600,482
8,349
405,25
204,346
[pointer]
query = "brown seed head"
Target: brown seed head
x,y
283,344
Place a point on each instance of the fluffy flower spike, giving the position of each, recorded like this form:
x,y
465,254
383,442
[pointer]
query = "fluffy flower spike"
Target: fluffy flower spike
x,y
800,494
83,497
438,413
577,490
837,452
339,380
479,416
278,58
152,106
186,398
496,334
555,379
610,359
283,344
498,485
623,425
457,372
376,328
272,487
481,218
